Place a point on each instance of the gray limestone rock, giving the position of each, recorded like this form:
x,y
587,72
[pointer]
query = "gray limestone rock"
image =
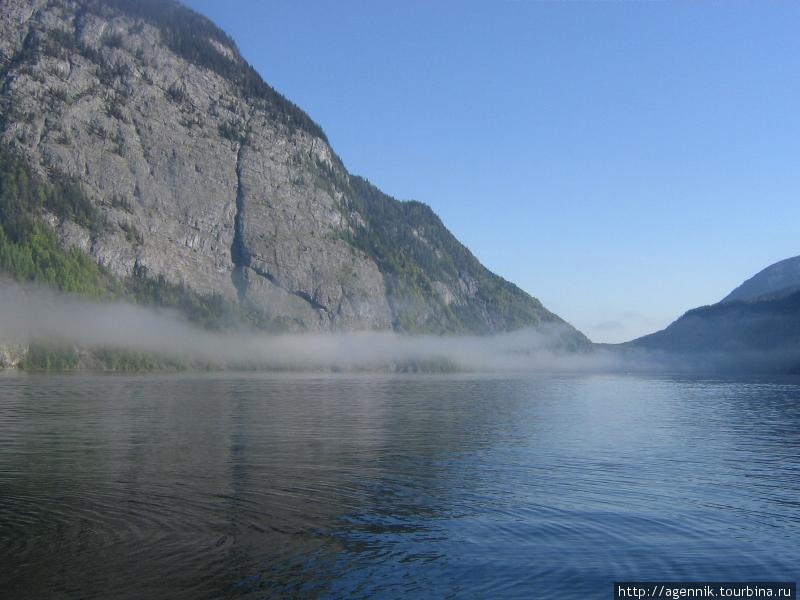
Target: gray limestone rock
x,y
206,176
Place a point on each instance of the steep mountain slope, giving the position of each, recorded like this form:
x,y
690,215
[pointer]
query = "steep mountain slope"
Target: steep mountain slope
x,y
782,277
190,171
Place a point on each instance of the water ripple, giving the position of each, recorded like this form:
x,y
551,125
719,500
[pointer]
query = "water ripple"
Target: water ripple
x,y
467,487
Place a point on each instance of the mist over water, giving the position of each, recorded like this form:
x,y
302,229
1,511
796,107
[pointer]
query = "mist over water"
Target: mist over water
x,y
34,313
526,481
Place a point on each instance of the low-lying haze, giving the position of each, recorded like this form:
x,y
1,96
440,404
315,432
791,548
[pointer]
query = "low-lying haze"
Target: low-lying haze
x,y
33,313
36,314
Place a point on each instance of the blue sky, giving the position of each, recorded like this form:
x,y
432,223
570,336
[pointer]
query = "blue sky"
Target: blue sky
x,y
621,161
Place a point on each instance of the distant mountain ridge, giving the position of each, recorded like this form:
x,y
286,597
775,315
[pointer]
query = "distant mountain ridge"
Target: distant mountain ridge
x,y
137,136
755,327
783,277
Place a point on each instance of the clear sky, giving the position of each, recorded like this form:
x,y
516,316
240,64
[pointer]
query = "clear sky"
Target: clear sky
x,y
621,161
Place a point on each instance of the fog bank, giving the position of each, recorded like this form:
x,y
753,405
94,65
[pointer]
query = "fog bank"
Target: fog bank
x,y
35,314
31,313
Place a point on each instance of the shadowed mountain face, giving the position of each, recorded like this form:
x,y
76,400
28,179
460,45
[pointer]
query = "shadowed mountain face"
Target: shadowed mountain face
x,y
782,278
732,326
756,327
195,173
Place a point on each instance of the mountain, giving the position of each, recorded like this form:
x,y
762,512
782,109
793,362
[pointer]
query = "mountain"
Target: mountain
x,y
781,278
144,158
755,328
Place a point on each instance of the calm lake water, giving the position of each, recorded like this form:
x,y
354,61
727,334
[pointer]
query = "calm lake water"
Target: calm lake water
x,y
264,486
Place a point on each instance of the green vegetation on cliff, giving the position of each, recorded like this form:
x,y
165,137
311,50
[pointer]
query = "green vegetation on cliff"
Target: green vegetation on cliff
x,y
418,256
30,250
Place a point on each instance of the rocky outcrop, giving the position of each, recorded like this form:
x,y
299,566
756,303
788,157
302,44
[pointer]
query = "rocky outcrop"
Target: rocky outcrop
x,y
11,355
205,175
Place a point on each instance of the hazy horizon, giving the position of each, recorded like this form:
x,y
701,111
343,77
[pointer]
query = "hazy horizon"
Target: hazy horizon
x,y
621,161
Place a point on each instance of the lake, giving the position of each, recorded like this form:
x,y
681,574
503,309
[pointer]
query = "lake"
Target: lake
x,y
347,486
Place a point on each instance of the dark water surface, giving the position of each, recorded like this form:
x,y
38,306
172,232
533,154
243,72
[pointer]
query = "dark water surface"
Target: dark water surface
x,y
245,486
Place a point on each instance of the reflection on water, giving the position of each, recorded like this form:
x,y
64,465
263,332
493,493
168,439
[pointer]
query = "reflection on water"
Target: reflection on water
x,y
238,486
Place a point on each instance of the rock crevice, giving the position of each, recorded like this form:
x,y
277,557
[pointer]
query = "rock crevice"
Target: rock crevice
x,y
303,295
240,257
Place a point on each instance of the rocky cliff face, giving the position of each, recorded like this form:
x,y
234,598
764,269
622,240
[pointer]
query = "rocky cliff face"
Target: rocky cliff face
x,y
205,175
